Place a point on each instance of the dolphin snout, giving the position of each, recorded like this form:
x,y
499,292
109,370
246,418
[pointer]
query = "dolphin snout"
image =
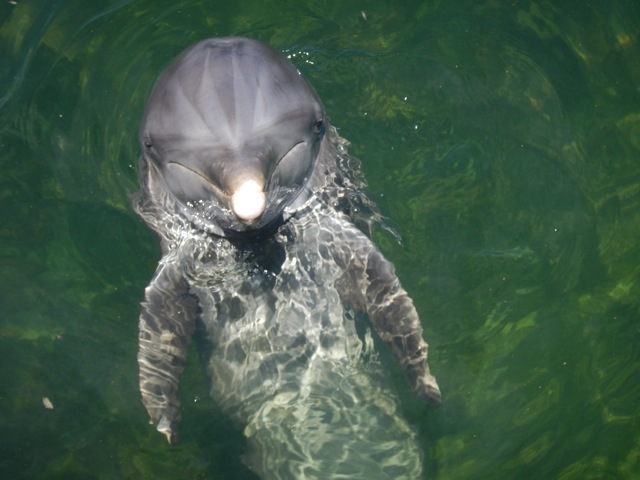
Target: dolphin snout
x,y
248,201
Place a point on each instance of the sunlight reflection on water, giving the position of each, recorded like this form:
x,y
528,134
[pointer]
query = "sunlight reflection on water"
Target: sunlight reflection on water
x,y
517,199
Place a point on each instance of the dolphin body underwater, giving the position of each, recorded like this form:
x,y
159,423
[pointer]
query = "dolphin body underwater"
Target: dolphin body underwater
x,y
253,195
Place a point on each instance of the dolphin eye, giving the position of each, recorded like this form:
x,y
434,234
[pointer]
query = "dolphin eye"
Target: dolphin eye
x,y
318,127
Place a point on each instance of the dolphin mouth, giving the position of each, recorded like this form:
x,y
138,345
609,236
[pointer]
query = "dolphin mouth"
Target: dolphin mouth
x,y
210,186
217,190
247,202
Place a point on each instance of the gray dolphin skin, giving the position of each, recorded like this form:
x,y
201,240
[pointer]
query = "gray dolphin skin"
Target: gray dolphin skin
x,y
255,202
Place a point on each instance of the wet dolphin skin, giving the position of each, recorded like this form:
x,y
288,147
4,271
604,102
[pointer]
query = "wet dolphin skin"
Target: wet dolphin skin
x,y
249,190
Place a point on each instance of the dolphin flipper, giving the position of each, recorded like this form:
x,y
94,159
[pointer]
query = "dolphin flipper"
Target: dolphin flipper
x,y
371,283
396,321
167,323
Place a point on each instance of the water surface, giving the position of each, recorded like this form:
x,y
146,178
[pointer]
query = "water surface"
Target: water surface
x,y
501,138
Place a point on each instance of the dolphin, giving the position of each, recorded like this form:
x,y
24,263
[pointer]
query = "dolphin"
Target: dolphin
x,y
255,201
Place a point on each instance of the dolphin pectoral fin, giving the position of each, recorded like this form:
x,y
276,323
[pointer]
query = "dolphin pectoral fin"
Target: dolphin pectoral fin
x,y
167,323
371,285
416,369
169,428
429,391
396,321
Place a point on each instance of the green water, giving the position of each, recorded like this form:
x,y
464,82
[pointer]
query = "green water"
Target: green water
x,y
501,138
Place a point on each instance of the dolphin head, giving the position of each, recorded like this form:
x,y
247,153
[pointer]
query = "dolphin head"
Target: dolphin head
x,y
233,130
